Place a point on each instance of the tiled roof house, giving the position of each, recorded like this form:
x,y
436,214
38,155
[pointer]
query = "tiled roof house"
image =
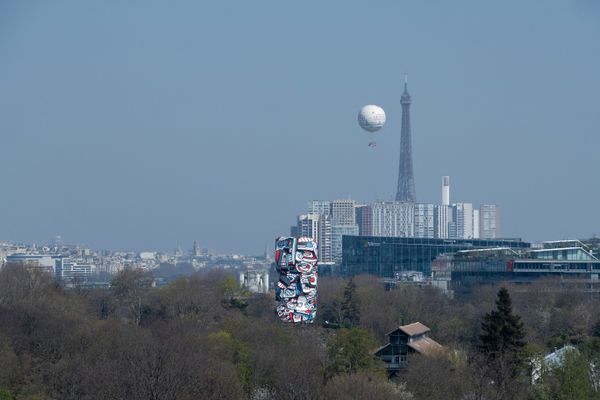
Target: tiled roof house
x,y
405,340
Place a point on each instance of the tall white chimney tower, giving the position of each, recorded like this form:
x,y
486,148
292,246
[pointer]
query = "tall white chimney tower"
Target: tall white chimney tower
x,y
445,190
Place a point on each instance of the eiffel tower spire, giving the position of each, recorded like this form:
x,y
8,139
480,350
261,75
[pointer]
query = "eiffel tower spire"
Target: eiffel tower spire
x,y
406,180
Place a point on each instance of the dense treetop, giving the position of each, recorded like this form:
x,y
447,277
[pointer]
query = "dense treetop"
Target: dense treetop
x,y
203,337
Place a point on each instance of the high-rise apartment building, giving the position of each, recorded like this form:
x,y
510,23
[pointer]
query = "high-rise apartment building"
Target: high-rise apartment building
x,y
462,221
324,244
424,221
443,220
308,226
321,207
489,221
364,219
342,212
343,222
393,219
319,228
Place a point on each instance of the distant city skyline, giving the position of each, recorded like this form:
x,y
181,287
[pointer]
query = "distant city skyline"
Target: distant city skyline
x,y
144,126
326,221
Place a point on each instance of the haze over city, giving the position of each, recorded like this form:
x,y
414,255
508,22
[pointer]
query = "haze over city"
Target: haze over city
x,y
147,125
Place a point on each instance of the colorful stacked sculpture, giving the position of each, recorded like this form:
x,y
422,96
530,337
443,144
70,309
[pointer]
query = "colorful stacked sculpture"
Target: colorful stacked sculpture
x,y
296,290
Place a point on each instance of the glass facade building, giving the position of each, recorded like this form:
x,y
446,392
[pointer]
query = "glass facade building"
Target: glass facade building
x,y
338,232
386,256
573,266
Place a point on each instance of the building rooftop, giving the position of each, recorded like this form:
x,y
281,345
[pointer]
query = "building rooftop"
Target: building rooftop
x,y
557,357
416,328
557,244
488,251
563,253
425,346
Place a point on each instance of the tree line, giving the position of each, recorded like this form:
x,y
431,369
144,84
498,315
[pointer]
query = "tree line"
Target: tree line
x,y
204,337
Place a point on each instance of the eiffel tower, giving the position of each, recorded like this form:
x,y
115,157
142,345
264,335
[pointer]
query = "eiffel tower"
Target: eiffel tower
x,y
406,180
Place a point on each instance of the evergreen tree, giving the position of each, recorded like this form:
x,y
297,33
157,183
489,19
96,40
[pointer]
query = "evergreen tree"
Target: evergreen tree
x,y
502,345
503,333
350,306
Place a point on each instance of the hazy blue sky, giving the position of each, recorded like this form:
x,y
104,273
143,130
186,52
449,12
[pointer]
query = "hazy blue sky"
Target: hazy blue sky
x,y
143,124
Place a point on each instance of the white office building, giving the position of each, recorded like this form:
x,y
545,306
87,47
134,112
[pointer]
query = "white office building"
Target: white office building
x,y
424,221
308,226
319,228
343,213
325,245
443,220
74,273
52,264
489,221
475,224
462,221
393,219
321,207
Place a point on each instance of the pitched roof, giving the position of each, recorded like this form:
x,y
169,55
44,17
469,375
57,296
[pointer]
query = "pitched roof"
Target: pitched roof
x,y
425,346
381,348
416,328
557,357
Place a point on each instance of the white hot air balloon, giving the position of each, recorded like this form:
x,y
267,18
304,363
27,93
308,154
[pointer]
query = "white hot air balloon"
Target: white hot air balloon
x,y
371,118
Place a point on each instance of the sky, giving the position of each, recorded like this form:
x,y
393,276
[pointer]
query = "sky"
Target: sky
x,y
146,125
